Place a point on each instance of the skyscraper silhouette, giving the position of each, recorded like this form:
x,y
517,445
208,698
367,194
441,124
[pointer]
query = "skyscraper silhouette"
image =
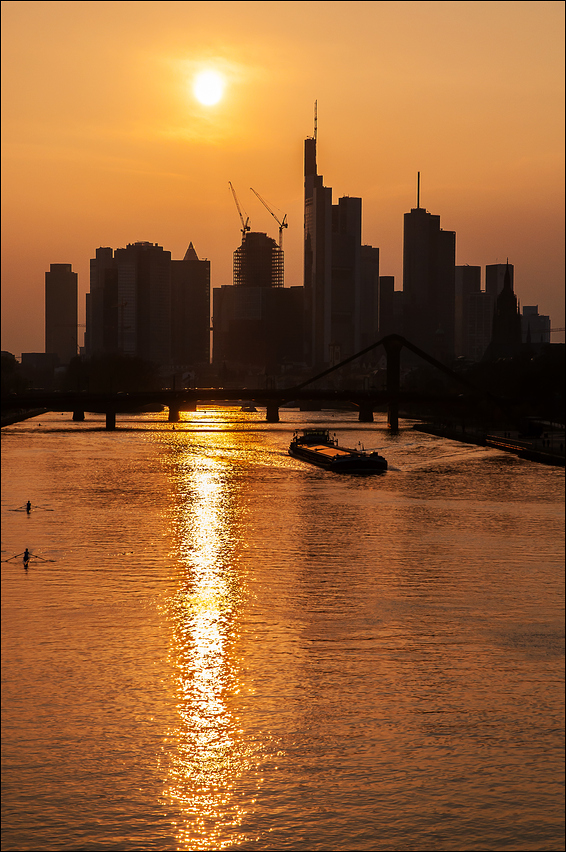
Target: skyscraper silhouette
x,y
190,310
495,278
506,338
429,259
102,305
129,309
473,314
317,259
340,279
257,322
61,303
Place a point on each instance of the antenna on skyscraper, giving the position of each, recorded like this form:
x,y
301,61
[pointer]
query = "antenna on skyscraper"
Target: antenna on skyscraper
x,y
418,190
315,119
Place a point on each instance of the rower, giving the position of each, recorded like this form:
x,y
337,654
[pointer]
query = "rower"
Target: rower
x,y
28,507
27,555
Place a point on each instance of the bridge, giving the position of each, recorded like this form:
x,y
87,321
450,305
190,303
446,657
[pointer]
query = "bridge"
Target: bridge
x,y
111,404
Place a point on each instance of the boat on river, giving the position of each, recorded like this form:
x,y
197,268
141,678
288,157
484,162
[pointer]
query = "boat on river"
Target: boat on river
x,y
319,447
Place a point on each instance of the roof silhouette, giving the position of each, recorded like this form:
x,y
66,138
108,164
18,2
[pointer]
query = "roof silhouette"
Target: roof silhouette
x,y
190,253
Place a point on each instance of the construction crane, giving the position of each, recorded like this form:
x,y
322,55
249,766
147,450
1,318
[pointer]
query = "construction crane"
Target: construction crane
x,y
281,222
246,224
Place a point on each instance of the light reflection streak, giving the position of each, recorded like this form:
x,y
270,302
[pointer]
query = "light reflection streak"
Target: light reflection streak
x,y
212,755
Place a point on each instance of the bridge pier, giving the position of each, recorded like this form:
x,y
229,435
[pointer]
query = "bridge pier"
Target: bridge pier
x,y
174,415
110,420
78,415
393,352
366,412
272,412
393,416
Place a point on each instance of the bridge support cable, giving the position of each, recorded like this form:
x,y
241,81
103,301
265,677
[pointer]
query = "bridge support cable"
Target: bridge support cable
x,y
340,364
393,344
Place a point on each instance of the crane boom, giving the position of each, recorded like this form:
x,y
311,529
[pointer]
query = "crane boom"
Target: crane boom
x,y
246,224
281,222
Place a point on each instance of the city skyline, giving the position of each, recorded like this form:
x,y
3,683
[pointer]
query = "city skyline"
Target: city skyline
x,y
469,94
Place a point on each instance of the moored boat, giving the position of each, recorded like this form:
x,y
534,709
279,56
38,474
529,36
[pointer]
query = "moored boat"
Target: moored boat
x,y
318,447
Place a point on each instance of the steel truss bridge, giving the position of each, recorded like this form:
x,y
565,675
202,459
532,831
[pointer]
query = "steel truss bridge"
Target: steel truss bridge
x,y
187,399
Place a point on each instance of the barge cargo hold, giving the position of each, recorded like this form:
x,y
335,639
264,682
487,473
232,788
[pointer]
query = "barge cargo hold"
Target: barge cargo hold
x,y
316,446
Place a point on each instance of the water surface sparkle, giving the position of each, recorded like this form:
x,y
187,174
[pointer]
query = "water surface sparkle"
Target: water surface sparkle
x,y
235,650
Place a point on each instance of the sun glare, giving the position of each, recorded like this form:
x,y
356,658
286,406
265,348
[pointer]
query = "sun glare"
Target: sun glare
x,y
208,87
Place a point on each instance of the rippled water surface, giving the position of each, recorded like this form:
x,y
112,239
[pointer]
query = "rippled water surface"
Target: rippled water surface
x,y
216,646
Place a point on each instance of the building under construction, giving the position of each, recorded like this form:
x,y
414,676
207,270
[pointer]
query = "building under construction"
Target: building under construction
x,y
257,321
258,262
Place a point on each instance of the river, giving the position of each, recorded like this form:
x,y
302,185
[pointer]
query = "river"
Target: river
x,y
216,646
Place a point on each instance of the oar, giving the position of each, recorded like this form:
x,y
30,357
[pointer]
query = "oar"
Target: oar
x,y
30,556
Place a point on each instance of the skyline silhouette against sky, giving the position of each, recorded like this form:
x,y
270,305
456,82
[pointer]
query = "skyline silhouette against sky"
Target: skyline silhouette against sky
x,y
105,142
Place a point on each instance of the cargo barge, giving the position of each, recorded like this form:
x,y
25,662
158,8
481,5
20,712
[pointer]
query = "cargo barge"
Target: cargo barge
x,y
318,447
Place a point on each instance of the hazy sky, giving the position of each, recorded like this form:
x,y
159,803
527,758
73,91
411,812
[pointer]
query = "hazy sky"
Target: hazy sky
x,y
104,142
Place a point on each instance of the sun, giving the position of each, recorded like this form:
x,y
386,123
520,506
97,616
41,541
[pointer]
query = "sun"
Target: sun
x,y
208,87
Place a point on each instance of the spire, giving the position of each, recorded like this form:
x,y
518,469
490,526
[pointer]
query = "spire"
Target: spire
x,y
190,253
507,278
315,119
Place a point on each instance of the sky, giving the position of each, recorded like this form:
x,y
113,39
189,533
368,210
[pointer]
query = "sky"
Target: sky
x,y
104,142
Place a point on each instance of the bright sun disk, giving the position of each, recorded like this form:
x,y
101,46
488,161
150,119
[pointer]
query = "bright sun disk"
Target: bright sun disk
x,y
208,87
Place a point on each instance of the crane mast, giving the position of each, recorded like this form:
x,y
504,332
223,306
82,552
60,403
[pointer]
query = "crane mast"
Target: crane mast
x,y
246,223
281,222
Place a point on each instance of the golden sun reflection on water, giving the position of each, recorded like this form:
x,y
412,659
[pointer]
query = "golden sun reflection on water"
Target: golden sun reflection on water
x,y
212,754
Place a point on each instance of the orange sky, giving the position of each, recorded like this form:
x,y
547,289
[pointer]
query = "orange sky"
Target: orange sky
x,y
104,143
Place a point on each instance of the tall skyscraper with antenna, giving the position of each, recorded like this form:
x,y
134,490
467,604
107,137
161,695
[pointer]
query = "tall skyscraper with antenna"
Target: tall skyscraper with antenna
x,y
340,280
317,257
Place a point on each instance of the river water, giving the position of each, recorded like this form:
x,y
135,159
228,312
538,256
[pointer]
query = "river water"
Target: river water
x,y
231,649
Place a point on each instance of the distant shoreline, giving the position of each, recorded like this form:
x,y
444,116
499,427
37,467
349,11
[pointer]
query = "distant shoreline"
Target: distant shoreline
x,y
548,449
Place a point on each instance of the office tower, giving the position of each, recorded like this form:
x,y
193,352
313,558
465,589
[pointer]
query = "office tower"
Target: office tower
x,y
390,307
129,309
346,278
340,276
190,310
495,278
535,327
144,301
317,260
479,321
369,296
473,314
467,282
506,330
429,259
102,305
61,304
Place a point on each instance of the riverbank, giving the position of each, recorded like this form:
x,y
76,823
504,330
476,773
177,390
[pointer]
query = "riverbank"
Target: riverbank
x,y
548,449
10,417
